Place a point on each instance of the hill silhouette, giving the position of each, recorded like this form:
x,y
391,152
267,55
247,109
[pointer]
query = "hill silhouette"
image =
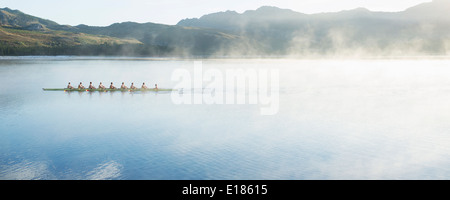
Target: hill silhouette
x,y
267,31
421,30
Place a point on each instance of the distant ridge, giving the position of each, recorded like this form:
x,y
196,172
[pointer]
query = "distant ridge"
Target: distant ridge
x,y
420,30
267,31
438,10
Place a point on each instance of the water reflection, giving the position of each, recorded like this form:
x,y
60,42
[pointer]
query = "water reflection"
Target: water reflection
x,y
25,170
106,171
41,170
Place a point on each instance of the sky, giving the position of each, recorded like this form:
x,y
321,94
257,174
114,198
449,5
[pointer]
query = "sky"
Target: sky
x,y
106,12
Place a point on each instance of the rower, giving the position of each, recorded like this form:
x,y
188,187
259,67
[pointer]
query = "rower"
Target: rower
x,y
112,86
144,86
101,86
91,86
69,86
81,86
123,86
156,86
132,86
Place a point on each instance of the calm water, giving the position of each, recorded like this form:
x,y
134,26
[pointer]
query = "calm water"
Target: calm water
x,y
337,119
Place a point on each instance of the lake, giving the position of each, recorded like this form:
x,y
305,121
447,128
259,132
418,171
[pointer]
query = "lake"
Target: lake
x,y
336,119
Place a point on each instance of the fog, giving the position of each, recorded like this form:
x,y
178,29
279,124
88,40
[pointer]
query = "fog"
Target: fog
x,y
269,31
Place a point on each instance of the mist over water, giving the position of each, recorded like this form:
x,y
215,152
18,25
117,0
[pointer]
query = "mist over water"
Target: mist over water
x,y
337,119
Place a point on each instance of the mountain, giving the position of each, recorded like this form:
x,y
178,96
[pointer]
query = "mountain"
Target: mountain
x,y
15,18
182,40
432,11
235,22
22,34
267,31
422,29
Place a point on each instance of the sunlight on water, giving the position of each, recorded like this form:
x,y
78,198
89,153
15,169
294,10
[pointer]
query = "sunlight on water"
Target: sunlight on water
x,y
337,119
109,170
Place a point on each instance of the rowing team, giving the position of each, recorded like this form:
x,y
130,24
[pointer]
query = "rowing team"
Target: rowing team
x,y
101,86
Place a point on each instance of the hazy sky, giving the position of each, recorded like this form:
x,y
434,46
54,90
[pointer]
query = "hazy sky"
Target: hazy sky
x,y
106,12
